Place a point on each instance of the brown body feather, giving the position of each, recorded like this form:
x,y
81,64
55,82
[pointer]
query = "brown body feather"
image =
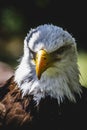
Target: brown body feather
x,y
18,112
13,108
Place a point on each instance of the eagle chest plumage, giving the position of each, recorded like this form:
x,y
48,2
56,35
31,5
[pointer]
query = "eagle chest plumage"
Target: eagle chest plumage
x,y
16,111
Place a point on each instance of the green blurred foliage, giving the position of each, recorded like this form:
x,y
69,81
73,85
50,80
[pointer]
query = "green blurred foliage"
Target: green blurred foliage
x,y
11,35
11,21
82,62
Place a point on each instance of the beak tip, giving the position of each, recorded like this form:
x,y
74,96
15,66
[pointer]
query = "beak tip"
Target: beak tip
x,y
39,76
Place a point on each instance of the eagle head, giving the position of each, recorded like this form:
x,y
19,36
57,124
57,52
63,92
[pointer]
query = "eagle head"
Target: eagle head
x,y
49,64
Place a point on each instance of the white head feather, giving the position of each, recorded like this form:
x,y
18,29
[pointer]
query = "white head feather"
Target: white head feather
x,y
58,81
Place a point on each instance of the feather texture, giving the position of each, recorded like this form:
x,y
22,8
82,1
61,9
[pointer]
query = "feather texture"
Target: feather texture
x,y
56,101
22,112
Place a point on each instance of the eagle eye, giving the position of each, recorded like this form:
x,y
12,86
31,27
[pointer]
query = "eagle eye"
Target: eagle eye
x,y
32,53
62,49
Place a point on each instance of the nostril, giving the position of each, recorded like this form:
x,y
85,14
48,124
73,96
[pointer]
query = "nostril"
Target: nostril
x,y
45,58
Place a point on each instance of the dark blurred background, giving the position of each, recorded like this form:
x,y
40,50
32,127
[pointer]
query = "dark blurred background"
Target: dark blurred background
x,y
18,16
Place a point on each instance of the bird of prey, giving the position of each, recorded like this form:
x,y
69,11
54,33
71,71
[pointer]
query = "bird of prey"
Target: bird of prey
x,y
45,91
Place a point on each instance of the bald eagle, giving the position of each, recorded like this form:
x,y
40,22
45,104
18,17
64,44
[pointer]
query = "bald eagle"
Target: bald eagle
x,y
45,91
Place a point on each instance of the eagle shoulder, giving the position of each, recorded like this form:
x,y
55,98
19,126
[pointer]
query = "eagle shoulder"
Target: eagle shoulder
x,y
14,108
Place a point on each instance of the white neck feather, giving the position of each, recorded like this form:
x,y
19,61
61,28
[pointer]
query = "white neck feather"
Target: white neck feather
x,y
57,84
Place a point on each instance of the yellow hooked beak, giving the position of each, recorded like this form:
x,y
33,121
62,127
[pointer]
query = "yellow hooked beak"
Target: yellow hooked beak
x,y
43,61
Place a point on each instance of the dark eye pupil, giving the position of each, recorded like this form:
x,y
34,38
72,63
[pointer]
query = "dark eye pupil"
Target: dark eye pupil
x,y
60,50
